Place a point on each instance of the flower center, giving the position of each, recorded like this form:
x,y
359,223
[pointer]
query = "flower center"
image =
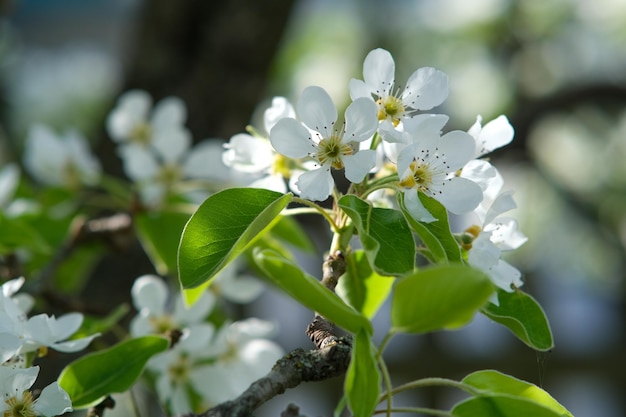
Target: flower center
x,y
332,150
179,370
162,324
420,176
169,174
391,108
282,165
20,407
141,133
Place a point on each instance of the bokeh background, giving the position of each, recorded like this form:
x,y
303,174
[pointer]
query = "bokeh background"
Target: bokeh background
x,y
556,68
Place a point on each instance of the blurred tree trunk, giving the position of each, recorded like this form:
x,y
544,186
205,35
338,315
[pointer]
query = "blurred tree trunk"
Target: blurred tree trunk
x,y
216,56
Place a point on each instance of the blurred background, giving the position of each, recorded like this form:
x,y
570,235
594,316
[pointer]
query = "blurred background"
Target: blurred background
x,y
556,68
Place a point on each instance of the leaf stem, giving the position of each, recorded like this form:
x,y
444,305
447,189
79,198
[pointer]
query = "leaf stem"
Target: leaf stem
x,y
429,382
319,209
430,411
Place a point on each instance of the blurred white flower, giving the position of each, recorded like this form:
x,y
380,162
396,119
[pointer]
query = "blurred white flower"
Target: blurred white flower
x,y
64,161
236,286
43,331
20,402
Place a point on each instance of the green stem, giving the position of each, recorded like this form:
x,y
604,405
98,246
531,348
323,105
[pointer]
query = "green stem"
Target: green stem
x,y
386,380
319,209
429,411
428,382
385,342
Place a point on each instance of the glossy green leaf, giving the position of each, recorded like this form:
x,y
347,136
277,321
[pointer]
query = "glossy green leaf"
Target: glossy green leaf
x,y
361,287
159,234
493,382
90,378
222,227
290,231
308,291
521,314
385,235
500,405
439,297
436,235
362,382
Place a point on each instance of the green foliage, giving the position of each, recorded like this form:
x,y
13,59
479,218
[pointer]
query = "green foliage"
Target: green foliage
x,y
309,292
17,233
288,230
521,314
362,382
385,235
222,227
159,234
361,287
490,382
440,243
501,405
92,377
438,297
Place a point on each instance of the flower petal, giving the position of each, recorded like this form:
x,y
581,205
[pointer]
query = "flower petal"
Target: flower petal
x,y
361,121
379,71
132,109
292,139
426,88
139,163
249,154
168,113
205,161
281,108
316,185
359,89
460,195
317,110
74,345
149,292
358,165
494,135
504,275
457,147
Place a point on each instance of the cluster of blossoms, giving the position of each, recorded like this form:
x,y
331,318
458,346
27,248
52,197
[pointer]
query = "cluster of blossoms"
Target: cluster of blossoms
x,y
24,338
206,365
389,141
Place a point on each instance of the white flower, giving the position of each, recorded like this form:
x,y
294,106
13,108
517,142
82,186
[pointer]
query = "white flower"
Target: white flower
x,y
158,170
494,234
492,136
150,297
64,161
243,356
42,331
426,88
19,401
329,147
429,166
132,121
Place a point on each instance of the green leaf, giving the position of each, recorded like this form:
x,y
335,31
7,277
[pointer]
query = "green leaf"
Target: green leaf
x,y
290,231
222,227
385,235
493,382
436,235
159,234
90,378
362,383
16,233
361,287
500,405
308,291
439,297
523,315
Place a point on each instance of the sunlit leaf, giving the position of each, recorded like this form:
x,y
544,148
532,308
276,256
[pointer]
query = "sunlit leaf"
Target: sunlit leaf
x,y
500,405
362,383
439,297
309,292
521,314
385,235
92,377
361,287
222,227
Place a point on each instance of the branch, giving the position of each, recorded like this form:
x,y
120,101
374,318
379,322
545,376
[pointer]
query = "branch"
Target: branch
x,y
294,368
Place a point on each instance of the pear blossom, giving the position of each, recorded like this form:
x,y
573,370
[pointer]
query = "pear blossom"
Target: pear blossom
x,y
495,134
425,89
255,155
156,171
43,331
135,121
18,401
429,166
151,296
320,140
60,160
236,286
243,354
